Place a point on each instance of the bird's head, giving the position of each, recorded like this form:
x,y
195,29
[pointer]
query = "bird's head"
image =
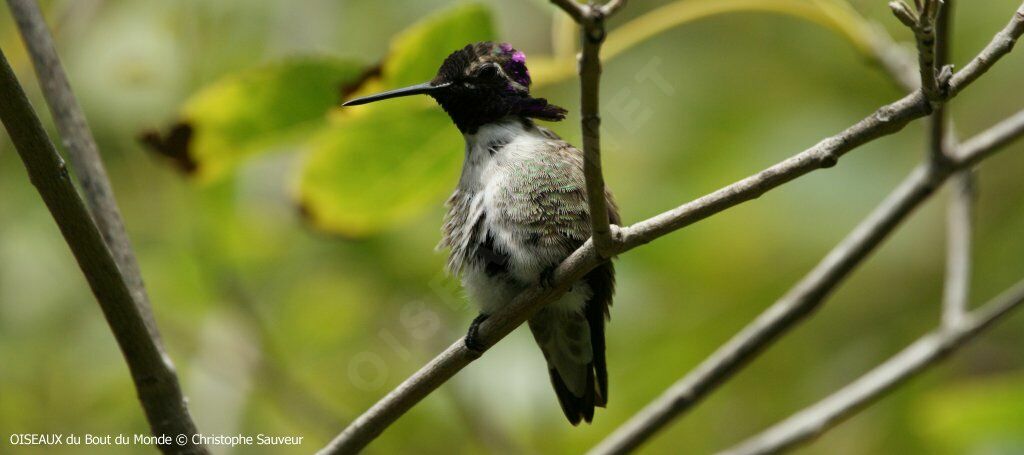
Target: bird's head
x,y
479,84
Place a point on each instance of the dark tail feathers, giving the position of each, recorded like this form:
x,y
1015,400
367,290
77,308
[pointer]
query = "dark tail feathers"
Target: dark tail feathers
x,y
577,408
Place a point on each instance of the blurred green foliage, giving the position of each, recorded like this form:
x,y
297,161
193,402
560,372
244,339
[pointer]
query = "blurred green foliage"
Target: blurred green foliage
x,y
281,329
348,185
250,112
982,414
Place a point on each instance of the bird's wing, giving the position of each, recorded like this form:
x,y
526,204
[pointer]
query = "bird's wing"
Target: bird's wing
x,y
544,198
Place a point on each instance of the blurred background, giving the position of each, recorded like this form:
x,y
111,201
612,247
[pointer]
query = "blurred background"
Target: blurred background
x,y
294,277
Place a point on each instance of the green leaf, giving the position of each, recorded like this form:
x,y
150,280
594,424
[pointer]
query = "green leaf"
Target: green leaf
x,y
418,51
366,172
257,109
382,163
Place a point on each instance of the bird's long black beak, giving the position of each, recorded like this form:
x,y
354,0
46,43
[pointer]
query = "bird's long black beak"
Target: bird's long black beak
x,y
418,89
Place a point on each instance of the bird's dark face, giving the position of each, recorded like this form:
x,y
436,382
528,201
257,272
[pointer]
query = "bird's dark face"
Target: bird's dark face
x,y
479,84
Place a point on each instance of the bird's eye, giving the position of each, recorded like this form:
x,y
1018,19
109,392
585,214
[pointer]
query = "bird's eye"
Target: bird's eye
x,y
489,71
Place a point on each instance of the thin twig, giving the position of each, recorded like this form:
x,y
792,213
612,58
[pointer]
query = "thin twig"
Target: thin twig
x,y
81,148
887,120
154,378
959,227
592,33
956,290
927,351
922,21
940,129
982,145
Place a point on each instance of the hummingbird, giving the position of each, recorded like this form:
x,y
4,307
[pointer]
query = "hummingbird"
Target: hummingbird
x,y
519,209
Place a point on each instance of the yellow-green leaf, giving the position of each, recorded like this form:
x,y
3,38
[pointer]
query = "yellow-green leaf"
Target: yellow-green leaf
x,y
366,172
418,51
378,164
250,112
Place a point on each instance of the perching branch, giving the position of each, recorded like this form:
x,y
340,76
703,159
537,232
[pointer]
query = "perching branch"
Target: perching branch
x,y
887,120
81,147
592,32
154,378
927,351
807,295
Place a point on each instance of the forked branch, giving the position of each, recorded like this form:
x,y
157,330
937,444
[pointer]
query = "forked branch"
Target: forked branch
x,y
807,295
81,147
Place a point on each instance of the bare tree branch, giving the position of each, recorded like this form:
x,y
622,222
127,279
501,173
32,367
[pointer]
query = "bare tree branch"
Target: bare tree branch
x,y
956,294
979,147
887,120
810,292
802,299
927,351
996,49
960,207
805,297
154,378
959,214
592,33
922,20
81,147
940,128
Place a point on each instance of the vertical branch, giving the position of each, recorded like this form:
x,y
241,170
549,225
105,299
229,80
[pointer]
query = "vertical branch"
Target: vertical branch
x,y
592,31
960,207
82,149
590,82
922,20
155,380
940,128
956,293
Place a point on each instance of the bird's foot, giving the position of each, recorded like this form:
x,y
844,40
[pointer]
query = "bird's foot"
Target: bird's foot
x,y
473,334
